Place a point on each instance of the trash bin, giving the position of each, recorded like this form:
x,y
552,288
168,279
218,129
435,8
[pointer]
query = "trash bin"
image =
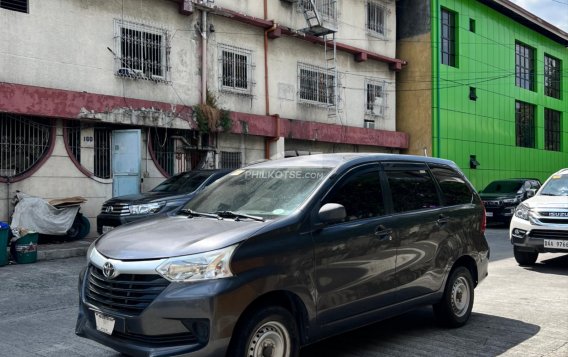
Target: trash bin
x,y
26,248
4,232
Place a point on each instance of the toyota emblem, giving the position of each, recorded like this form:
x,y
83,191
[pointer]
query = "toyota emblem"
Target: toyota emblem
x,y
108,270
108,209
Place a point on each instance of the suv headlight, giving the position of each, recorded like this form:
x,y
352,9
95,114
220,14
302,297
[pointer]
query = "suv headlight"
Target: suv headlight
x,y
146,208
522,212
203,266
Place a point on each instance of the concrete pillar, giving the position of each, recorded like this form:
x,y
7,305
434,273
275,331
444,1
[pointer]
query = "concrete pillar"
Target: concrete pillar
x,y
277,149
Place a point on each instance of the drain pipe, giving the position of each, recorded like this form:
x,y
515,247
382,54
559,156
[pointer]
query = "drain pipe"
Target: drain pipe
x,y
203,56
268,141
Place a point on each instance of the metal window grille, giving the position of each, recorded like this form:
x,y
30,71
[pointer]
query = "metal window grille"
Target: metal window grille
x,y
236,69
175,150
552,75
524,124
316,84
14,5
375,98
102,141
524,66
448,49
23,142
231,160
552,129
327,9
142,51
376,18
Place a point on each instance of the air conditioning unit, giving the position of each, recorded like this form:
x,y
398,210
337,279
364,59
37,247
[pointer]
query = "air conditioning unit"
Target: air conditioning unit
x,y
369,125
129,72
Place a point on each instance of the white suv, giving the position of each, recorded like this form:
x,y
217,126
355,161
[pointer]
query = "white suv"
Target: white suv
x,y
540,224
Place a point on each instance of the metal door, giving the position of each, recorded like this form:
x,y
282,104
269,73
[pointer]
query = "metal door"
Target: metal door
x,y
126,162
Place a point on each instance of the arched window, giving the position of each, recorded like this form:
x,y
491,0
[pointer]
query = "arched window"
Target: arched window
x,y
89,145
24,142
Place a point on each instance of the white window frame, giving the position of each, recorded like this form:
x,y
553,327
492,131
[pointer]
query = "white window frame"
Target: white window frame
x,y
370,110
225,79
139,69
320,73
374,29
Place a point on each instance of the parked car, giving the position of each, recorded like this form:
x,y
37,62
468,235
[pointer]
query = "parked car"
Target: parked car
x,y
540,223
501,197
166,197
284,253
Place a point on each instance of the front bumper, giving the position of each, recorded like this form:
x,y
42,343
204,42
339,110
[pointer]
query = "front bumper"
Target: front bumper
x,y
528,236
501,213
114,220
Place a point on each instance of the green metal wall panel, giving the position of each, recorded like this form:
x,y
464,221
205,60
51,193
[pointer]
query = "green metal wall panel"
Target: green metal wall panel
x,y
486,127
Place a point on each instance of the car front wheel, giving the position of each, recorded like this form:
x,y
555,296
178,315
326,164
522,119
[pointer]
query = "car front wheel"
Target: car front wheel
x,y
455,307
524,258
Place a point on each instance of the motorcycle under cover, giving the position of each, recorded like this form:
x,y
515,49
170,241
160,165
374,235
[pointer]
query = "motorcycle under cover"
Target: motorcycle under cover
x,y
35,214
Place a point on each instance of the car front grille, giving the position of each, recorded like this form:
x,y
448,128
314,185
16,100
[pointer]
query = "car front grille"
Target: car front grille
x,y
119,209
553,221
548,234
492,203
160,340
127,293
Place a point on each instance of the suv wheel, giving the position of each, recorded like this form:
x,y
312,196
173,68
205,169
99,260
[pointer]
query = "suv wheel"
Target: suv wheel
x,y
455,307
269,331
524,258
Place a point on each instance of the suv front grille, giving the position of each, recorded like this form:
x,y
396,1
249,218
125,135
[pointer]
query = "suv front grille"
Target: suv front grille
x,y
492,203
119,209
128,293
548,234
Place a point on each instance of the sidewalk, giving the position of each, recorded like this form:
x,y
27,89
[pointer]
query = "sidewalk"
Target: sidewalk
x,y
64,250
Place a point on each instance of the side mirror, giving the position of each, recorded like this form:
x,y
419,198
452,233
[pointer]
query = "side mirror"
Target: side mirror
x,y
530,192
332,213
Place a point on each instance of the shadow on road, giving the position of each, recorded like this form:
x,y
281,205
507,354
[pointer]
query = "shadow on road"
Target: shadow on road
x,y
416,333
556,265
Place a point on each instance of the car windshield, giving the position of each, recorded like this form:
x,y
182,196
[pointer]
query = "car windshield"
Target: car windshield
x,y
503,187
183,183
264,192
556,186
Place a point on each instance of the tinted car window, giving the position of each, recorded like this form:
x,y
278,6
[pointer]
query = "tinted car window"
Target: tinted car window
x,y
453,186
412,190
361,195
185,183
503,187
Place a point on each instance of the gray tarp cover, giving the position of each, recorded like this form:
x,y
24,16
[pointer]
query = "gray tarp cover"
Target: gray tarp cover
x,y
35,214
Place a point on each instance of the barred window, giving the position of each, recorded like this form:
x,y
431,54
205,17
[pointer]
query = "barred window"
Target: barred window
x,y
91,146
375,98
552,71
327,9
376,18
24,141
235,69
317,85
14,5
142,51
524,124
449,46
552,129
524,66
230,160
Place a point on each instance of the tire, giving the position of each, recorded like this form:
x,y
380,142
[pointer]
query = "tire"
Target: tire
x,y
80,228
268,331
455,307
524,258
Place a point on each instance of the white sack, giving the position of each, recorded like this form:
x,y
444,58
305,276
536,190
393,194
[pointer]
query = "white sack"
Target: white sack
x,y
35,214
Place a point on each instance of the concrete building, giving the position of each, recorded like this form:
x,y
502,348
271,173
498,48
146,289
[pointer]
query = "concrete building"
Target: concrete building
x,y
99,98
485,87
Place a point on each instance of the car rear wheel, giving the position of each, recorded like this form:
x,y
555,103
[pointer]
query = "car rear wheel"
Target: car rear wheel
x,y
455,307
524,258
267,332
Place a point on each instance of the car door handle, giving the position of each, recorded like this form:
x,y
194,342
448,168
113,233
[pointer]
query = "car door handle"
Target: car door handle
x,y
442,220
383,233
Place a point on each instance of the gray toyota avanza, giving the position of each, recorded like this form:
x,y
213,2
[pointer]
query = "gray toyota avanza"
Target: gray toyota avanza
x,y
284,253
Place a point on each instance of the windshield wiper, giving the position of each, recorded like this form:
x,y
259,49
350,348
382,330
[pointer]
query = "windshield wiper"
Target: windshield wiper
x,y
197,214
231,214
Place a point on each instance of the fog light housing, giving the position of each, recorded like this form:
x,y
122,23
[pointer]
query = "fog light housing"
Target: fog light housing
x,y
519,232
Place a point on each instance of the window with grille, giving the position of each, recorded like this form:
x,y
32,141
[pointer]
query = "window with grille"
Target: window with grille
x,y
230,160
552,71
376,18
449,45
375,102
235,69
91,146
24,141
316,84
524,66
142,52
14,5
552,129
327,9
525,124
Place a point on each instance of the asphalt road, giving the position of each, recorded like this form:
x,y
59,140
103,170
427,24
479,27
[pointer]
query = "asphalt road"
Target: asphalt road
x,y
517,312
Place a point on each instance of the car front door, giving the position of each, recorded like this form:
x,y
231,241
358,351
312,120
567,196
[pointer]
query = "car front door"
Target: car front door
x,y
355,258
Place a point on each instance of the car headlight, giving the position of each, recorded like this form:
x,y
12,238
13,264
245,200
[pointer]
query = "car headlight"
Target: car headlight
x,y
522,212
203,266
90,250
146,208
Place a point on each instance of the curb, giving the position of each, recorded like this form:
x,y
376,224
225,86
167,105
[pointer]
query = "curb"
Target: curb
x,y
53,254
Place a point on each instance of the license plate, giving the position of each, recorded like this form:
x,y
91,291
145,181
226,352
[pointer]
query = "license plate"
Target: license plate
x,y
107,229
556,244
104,323
489,214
